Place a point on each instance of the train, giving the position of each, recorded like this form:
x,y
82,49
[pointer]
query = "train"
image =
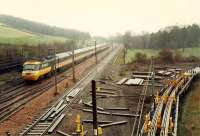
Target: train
x,y
34,69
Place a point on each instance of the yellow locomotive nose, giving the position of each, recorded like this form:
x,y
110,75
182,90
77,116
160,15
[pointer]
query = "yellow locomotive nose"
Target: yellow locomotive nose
x,y
30,76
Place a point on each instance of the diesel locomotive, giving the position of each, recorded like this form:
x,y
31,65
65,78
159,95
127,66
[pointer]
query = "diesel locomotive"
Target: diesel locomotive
x,y
34,70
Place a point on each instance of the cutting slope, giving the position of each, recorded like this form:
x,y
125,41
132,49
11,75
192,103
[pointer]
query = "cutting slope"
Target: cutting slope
x,y
10,35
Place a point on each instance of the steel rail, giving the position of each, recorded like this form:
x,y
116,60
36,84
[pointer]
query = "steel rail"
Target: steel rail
x,y
168,108
140,106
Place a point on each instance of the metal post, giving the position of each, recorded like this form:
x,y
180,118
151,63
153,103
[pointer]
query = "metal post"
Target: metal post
x,y
22,55
94,107
55,74
95,44
112,46
124,55
22,52
73,63
39,54
153,74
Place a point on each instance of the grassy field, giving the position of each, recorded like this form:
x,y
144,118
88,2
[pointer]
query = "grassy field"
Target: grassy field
x,y
149,52
131,53
191,52
9,35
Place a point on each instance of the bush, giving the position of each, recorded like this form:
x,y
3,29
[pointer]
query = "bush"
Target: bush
x,y
140,57
178,57
166,56
192,59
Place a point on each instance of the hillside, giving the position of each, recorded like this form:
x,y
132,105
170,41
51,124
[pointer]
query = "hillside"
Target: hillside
x,y
40,28
20,31
9,35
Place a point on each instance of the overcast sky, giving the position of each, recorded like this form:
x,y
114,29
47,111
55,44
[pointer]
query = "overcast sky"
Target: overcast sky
x,y
106,17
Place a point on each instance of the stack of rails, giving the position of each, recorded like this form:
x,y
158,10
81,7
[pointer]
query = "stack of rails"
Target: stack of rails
x,y
162,121
36,69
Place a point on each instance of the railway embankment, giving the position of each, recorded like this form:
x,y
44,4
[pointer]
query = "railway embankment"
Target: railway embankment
x,y
189,116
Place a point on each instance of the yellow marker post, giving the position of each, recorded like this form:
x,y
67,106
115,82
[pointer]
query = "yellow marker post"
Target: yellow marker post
x,y
146,125
159,121
157,98
78,124
98,89
171,124
82,131
100,131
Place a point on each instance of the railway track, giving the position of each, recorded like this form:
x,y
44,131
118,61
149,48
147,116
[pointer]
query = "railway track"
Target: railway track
x,y
119,59
11,64
42,125
140,106
13,99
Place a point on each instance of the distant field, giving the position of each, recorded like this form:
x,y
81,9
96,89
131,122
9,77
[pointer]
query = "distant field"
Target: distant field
x,y
131,53
191,52
149,52
9,35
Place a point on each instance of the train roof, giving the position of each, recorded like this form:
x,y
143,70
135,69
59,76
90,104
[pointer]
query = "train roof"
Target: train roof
x,y
63,54
88,48
34,62
66,54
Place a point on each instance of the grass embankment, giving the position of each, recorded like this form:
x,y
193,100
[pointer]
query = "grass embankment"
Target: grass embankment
x,y
189,123
9,35
131,53
150,52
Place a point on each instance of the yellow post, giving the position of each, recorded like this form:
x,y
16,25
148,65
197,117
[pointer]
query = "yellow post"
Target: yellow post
x,y
78,124
82,131
157,98
147,123
171,124
98,89
159,121
100,131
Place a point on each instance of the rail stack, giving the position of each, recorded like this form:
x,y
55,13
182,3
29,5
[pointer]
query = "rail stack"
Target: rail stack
x,y
165,117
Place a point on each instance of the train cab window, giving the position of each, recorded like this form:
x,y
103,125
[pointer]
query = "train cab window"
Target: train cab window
x,y
32,67
44,65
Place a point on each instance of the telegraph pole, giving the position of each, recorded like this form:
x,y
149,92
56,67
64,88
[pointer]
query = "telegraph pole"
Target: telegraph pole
x,y
95,44
112,46
55,74
22,52
39,54
94,108
152,75
73,63
124,55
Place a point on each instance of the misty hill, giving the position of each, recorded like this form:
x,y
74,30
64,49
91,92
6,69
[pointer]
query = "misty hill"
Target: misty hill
x,y
12,36
39,28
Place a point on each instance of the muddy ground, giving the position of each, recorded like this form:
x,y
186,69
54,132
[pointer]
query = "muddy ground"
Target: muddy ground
x,y
111,74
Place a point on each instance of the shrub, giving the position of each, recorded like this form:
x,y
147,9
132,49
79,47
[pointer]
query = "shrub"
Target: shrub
x,y
192,59
140,57
178,57
166,56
